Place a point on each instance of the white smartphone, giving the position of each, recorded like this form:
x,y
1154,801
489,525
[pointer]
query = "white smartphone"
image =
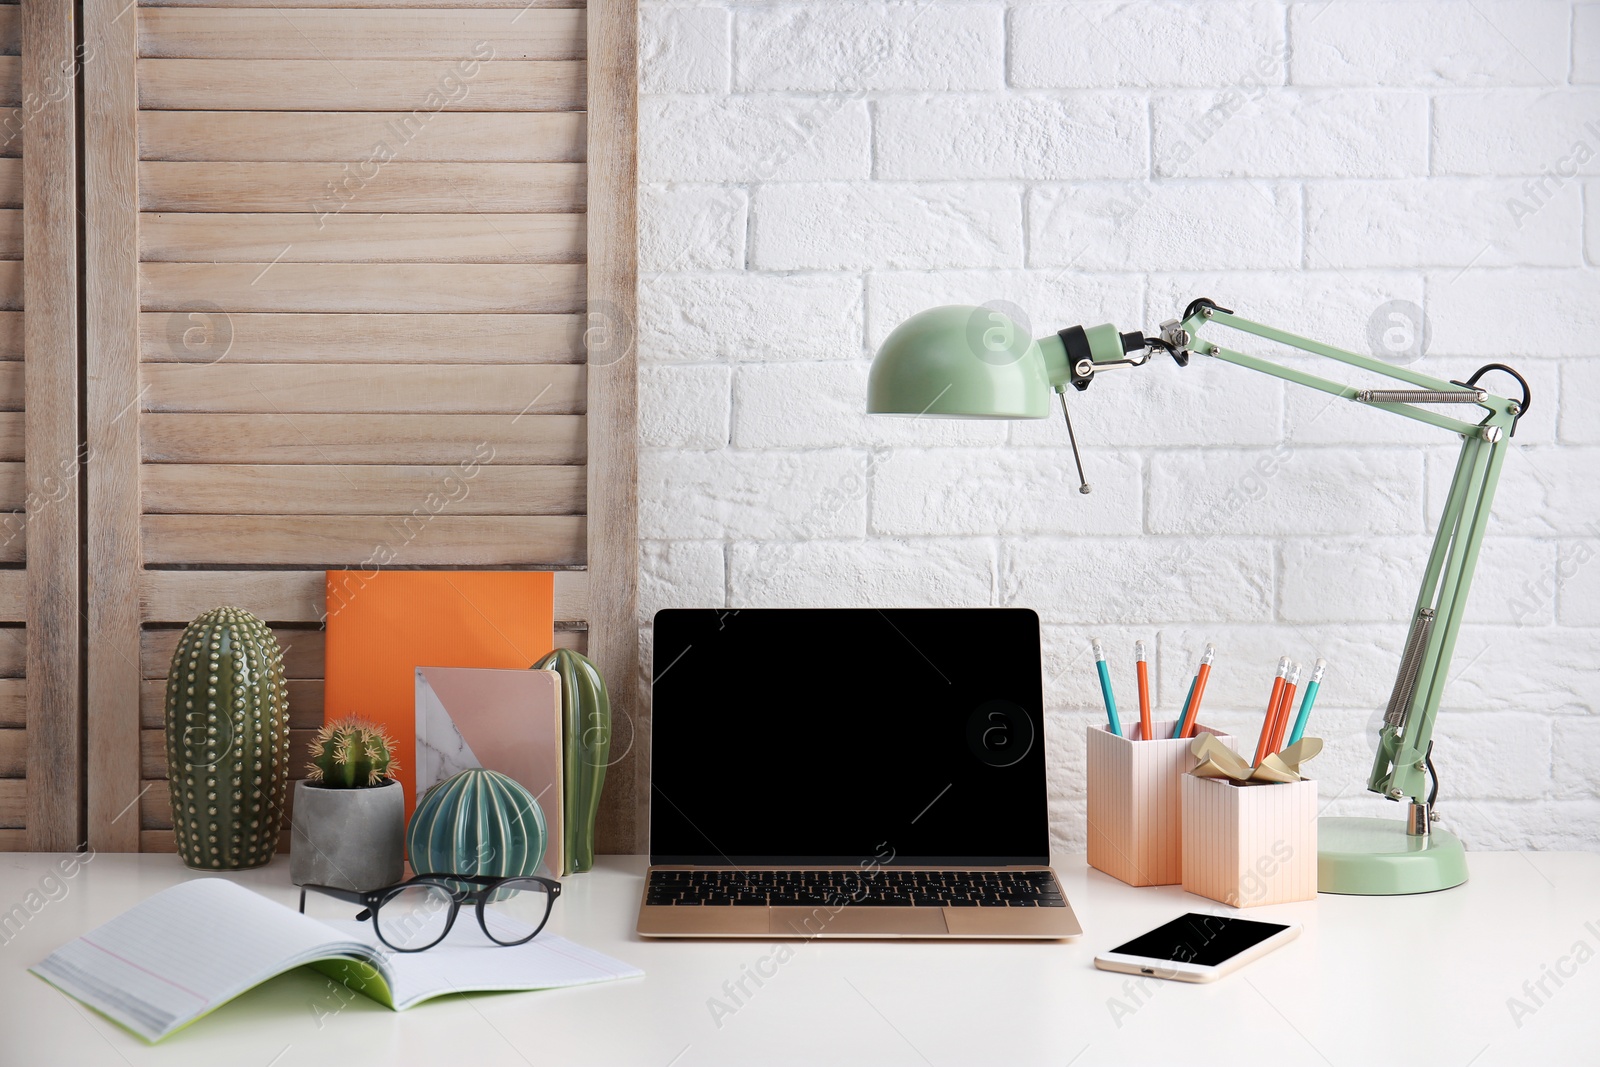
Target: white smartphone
x,y
1197,947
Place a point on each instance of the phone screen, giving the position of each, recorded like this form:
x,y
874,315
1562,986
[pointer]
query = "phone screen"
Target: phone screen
x,y
1204,940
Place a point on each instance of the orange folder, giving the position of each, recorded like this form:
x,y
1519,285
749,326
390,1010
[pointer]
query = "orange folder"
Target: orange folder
x,y
383,625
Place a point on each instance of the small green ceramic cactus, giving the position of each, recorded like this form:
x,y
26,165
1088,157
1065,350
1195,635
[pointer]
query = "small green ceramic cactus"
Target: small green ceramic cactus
x,y
351,753
227,725
477,822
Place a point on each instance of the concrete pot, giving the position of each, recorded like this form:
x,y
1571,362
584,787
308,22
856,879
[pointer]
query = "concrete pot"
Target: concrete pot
x,y
348,838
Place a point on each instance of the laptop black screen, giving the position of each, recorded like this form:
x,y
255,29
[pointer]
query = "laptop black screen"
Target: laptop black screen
x,y
839,736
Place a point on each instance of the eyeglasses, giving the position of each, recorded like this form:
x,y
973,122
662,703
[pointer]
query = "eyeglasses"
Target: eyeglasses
x,y
417,914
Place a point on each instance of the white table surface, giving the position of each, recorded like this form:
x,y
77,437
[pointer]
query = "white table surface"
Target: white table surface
x,y
1405,980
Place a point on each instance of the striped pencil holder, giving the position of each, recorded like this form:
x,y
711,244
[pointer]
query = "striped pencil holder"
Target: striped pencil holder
x,y
1250,843
1135,809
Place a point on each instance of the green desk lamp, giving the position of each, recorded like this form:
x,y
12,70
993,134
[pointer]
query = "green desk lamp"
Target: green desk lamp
x,y
969,362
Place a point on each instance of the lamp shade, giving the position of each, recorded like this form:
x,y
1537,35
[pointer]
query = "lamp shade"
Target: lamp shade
x,y
959,362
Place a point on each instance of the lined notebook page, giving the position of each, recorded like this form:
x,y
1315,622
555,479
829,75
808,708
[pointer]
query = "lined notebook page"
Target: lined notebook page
x,y
195,946
468,962
185,951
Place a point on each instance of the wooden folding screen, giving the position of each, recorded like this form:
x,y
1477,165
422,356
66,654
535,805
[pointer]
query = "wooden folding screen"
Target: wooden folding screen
x,y
342,286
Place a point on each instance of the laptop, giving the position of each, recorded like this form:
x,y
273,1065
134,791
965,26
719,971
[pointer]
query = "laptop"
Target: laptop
x,y
849,773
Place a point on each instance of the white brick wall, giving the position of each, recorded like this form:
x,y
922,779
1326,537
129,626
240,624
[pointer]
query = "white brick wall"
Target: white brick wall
x,y
815,172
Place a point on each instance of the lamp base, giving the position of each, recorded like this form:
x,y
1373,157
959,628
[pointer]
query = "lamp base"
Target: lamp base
x,y
1376,857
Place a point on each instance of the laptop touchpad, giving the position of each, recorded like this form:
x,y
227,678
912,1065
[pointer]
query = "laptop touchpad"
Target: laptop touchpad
x,y
856,922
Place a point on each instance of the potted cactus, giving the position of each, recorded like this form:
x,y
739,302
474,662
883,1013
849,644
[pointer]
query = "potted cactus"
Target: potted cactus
x,y
349,813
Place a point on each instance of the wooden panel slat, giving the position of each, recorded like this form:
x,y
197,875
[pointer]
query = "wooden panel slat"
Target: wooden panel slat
x,y
503,389
55,767
470,38
473,487
10,234
302,651
187,438
11,385
350,137
13,803
13,487
305,703
11,284
290,596
365,85
13,593
613,557
327,189
10,81
273,596
11,334
12,122
571,596
111,233
10,181
13,702
377,287
155,809
350,541
10,31
241,337
12,433
13,651
13,840
13,752
227,237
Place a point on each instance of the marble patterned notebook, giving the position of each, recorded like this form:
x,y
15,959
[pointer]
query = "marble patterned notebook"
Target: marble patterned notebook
x,y
503,720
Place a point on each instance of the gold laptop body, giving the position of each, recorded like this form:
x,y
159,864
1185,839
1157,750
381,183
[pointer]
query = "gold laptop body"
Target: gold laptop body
x,y
850,773
838,916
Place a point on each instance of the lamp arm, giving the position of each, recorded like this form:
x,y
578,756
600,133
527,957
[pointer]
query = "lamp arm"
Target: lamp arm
x,y
1401,768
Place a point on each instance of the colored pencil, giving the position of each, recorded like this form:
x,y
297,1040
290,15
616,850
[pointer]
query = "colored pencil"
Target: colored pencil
x,y
1143,670
1177,731
1310,698
1272,707
1191,714
1279,711
1105,687
1280,721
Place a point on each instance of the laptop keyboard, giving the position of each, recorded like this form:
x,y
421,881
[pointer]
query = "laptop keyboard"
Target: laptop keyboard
x,y
882,888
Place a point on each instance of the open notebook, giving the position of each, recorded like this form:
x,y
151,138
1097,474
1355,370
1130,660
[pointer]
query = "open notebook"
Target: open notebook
x,y
190,949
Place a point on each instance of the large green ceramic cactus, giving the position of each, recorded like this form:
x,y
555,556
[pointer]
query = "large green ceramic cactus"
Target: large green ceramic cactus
x,y
227,725
586,737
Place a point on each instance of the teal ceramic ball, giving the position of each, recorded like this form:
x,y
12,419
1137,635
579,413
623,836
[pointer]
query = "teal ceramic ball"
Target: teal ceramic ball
x,y
477,822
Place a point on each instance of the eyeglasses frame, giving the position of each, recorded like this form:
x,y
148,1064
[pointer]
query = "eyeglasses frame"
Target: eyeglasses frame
x,y
373,899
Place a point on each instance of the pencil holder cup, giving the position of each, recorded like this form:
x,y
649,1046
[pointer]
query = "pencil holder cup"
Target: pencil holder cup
x,y
1250,843
1135,828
